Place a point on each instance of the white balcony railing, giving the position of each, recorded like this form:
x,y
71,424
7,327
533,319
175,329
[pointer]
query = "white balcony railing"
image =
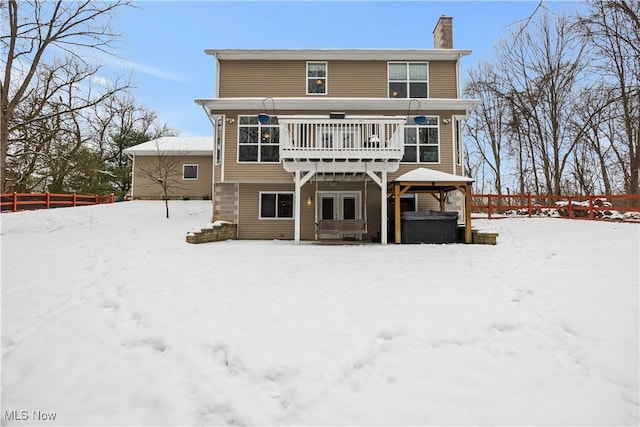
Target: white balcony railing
x,y
366,139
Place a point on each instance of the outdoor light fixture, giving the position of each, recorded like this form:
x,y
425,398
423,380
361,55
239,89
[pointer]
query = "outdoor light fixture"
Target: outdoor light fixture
x,y
446,121
309,201
417,119
264,117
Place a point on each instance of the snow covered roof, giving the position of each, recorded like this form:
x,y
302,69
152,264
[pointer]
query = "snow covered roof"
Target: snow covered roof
x,y
339,54
430,175
183,145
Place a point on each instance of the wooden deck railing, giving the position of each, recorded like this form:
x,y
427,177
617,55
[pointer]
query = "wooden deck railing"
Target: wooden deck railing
x,y
14,202
623,207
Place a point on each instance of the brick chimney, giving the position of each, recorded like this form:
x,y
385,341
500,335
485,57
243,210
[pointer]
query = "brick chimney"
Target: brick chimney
x,y
443,33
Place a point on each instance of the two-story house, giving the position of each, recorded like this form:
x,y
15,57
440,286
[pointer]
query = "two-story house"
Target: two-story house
x,y
307,142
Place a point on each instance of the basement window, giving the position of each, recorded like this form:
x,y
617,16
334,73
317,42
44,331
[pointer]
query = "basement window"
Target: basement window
x,y
276,205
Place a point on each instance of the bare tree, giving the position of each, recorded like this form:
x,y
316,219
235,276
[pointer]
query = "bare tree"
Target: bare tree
x,y
162,169
34,28
50,123
120,123
487,125
539,71
612,27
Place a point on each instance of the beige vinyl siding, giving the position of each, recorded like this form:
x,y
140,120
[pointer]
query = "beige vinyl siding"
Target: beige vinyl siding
x,y
274,172
146,188
364,79
262,78
252,227
446,147
250,171
289,79
442,79
217,175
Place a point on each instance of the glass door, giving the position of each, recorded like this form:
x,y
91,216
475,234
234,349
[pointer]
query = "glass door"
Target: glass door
x,y
349,210
337,206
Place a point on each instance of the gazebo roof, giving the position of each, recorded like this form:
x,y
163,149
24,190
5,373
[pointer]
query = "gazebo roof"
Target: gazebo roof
x,y
436,183
424,175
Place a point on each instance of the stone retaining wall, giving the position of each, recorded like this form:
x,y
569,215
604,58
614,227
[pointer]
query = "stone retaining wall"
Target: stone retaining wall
x,y
216,232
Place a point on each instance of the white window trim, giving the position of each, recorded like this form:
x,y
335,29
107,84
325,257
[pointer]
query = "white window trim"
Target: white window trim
x,y
408,79
439,145
197,171
238,144
326,78
217,160
458,122
276,218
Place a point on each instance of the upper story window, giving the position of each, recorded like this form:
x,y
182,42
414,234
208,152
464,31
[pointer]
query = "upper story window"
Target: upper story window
x,y
316,78
408,80
258,142
422,142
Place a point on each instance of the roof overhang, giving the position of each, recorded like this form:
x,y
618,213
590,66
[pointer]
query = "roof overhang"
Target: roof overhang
x,y
339,54
337,104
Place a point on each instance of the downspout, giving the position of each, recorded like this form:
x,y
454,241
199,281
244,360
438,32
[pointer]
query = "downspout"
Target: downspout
x,y
213,162
133,175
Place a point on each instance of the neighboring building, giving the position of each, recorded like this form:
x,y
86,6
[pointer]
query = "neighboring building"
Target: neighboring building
x,y
186,162
307,142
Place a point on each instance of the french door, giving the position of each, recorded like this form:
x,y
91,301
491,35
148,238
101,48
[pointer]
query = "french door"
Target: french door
x,y
338,206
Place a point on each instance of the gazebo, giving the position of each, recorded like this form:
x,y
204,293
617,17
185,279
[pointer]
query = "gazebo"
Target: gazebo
x,y
436,183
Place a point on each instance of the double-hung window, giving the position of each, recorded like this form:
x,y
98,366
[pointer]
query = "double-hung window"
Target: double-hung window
x,y
408,79
258,142
422,143
276,205
316,78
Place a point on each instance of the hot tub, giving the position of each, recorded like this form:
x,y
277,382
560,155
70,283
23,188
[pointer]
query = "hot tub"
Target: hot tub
x,y
429,227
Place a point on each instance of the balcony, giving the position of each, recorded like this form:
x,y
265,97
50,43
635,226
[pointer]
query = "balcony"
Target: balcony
x,y
352,144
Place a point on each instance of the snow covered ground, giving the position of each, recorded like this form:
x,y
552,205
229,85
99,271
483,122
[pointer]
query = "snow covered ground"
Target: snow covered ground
x,y
110,318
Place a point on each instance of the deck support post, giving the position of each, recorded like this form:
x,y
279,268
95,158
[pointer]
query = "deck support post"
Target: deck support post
x,y
299,182
383,209
397,213
467,215
382,182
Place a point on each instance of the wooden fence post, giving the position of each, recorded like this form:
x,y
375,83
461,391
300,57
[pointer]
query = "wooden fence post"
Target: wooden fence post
x,y
48,200
570,206
75,200
112,198
489,206
15,201
529,204
591,215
